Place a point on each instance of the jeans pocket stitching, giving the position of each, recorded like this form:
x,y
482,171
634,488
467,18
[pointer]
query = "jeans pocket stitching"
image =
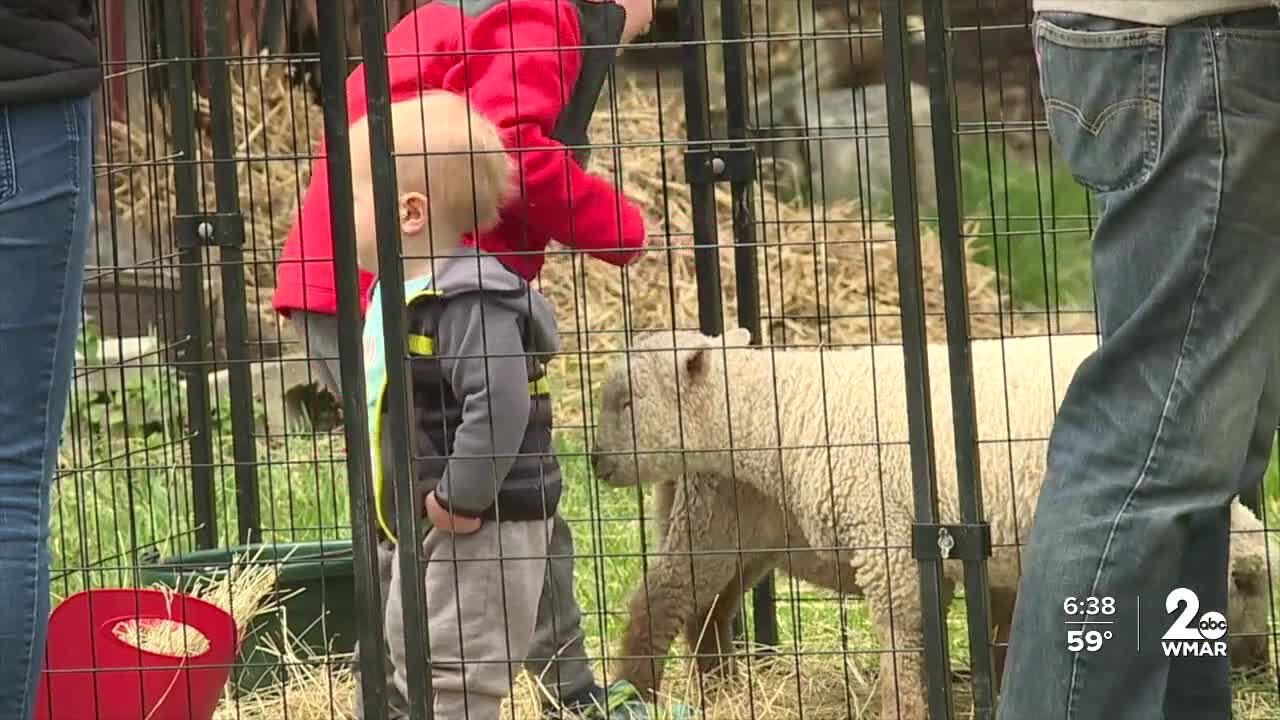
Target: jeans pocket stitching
x,y
8,166
1151,88
1121,38
1154,80
1098,123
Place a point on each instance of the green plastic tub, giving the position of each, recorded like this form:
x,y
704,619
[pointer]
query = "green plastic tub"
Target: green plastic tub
x,y
321,615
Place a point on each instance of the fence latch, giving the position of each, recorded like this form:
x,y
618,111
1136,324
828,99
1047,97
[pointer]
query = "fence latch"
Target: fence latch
x,y
210,230
711,166
950,542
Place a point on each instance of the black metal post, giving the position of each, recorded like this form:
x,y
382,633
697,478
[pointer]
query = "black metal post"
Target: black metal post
x,y
699,168
364,540
915,350
192,355
741,174
373,30
700,172
956,298
227,231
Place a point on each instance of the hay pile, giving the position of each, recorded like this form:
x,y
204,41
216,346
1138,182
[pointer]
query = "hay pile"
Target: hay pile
x,y
815,681
244,592
815,686
832,677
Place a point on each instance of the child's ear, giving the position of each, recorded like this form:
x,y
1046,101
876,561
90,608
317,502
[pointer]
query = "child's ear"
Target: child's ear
x,y
413,213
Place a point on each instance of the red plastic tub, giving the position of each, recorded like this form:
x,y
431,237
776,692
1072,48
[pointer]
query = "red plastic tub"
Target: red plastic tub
x,y
91,674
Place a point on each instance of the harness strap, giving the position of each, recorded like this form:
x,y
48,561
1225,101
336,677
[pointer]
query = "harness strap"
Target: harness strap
x,y
425,346
375,366
376,384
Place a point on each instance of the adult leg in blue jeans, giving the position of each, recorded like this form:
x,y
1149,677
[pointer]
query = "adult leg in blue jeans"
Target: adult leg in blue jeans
x,y
46,201
1175,129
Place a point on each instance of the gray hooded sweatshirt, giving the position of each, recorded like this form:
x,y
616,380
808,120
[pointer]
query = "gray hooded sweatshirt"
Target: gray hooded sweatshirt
x,y
482,414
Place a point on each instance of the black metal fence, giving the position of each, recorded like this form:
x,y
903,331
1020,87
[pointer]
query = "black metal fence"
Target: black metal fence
x,y
923,207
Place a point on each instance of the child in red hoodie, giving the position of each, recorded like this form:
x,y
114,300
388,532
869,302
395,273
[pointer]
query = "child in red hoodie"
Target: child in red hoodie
x,y
535,69
523,65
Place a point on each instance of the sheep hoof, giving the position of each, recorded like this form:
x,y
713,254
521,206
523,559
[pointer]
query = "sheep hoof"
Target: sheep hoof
x,y
717,667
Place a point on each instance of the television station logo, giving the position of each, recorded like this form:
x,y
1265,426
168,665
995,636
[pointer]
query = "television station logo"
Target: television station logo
x,y
1190,636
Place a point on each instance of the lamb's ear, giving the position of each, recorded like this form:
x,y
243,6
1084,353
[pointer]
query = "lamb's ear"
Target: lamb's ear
x,y
695,362
737,337
695,358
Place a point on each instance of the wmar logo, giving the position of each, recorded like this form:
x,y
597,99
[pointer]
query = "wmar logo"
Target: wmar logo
x,y
1191,637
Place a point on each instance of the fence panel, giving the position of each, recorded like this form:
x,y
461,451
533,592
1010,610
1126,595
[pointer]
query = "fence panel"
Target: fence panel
x,y
928,532
974,531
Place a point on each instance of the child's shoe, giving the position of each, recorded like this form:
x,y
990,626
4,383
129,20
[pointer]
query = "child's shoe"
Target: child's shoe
x,y
620,701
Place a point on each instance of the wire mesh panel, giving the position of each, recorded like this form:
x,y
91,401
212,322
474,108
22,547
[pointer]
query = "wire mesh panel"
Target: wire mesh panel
x,y
799,442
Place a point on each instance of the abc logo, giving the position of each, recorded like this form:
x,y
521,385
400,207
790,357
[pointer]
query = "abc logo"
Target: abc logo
x,y
1212,625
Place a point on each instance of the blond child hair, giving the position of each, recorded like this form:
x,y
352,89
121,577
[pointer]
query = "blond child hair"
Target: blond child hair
x,y
453,176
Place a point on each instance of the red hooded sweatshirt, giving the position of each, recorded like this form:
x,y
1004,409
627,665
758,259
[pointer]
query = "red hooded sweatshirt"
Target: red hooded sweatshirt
x,y
521,61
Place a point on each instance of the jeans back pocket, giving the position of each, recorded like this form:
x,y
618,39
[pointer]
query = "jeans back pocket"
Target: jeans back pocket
x,y
1102,85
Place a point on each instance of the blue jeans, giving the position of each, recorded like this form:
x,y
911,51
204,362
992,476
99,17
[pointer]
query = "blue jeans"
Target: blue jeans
x,y
1176,130
46,201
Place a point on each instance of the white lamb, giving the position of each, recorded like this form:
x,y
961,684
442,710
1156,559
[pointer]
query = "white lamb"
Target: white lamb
x,y
821,454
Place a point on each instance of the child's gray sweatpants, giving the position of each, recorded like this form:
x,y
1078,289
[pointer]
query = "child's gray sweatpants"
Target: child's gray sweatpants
x,y
479,618
556,655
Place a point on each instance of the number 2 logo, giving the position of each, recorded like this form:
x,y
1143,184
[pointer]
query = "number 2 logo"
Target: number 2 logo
x,y
1182,629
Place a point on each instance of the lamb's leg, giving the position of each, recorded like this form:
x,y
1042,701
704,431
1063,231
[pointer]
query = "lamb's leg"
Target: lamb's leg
x,y
659,608
1001,618
710,630
893,597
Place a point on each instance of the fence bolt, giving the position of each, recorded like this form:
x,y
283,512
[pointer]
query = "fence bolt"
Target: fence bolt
x,y
204,231
713,166
945,542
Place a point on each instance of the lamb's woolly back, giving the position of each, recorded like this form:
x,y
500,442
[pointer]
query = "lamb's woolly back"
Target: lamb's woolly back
x,y
761,402
1018,385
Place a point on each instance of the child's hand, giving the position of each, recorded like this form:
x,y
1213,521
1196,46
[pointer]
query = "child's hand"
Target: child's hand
x,y
441,518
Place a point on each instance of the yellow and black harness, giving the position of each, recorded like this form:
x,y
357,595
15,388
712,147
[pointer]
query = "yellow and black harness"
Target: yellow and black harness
x,y
419,345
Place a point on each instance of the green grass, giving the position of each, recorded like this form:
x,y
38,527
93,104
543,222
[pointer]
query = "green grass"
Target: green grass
x,y
1032,225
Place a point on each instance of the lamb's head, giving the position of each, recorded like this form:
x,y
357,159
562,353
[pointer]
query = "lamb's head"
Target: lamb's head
x,y
1249,592
663,409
